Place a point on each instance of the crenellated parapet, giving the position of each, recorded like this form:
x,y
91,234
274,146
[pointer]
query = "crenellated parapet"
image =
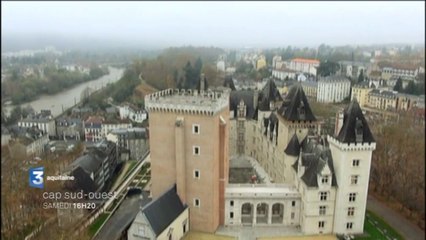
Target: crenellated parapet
x,y
187,101
365,146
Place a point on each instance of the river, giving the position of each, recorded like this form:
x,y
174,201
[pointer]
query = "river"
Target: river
x,y
67,98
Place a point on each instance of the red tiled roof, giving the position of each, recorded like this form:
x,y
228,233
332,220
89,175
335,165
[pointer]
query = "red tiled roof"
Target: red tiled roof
x,y
95,119
305,60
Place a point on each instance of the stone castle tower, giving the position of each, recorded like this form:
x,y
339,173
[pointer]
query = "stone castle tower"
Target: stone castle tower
x,y
352,150
189,148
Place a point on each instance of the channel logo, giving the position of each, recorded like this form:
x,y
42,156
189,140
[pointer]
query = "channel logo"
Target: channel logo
x,y
36,177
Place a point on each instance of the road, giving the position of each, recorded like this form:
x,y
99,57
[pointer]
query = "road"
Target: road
x,y
407,229
124,216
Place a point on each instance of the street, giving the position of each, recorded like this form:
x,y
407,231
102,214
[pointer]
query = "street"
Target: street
x,y
123,217
407,229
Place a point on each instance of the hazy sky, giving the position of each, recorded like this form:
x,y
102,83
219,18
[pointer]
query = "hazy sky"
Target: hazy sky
x,y
223,24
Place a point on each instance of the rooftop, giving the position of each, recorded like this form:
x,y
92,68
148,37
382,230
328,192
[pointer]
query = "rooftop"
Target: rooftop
x,y
305,60
189,101
295,106
354,124
162,211
334,78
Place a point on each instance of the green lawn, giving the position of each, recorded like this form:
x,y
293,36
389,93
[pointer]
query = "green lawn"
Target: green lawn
x,y
376,228
93,228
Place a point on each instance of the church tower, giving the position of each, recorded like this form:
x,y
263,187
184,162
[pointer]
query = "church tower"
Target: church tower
x,y
351,149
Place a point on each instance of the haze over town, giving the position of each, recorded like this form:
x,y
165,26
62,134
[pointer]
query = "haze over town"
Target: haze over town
x,y
206,120
220,24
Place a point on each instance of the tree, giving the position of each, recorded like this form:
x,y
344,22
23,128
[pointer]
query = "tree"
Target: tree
x,y
189,73
398,85
175,77
361,76
15,115
15,74
411,88
327,68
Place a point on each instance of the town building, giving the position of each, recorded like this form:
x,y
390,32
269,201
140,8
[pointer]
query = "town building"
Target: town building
x,y
360,92
398,71
93,128
284,86
406,102
109,125
31,142
303,65
275,60
284,73
311,89
131,112
69,128
353,69
261,63
375,79
382,99
94,170
221,65
132,142
299,179
333,89
5,136
166,218
44,121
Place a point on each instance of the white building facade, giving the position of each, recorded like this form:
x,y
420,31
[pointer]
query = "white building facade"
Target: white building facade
x,y
317,187
304,65
333,89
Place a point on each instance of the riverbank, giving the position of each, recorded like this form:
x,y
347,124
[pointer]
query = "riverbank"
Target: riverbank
x,y
62,101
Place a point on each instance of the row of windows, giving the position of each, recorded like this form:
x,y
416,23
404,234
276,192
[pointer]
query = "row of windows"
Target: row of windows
x,y
354,179
321,224
293,203
323,210
324,196
231,215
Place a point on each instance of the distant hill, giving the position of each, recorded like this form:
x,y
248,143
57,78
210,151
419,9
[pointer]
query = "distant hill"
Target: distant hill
x,y
15,42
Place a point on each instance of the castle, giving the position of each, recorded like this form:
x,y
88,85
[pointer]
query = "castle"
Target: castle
x,y
316,184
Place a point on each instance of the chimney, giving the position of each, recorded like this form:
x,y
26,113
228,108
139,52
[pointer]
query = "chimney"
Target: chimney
x,y
300,167
339,122
202,82
255,98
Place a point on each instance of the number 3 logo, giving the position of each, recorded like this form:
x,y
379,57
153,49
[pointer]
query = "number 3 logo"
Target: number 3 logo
x,y
36,177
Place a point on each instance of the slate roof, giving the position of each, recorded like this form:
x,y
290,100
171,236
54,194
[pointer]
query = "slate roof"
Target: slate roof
x,y
268,94
82,181
350,116
333,79
293,147
68,121
314,164
229,83
292,102
382,93
273,126
89,163
247,97
314,158
164,210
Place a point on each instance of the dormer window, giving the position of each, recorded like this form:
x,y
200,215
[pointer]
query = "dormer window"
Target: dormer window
x,y
241,109
358,130
324,179
271,105
301,111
